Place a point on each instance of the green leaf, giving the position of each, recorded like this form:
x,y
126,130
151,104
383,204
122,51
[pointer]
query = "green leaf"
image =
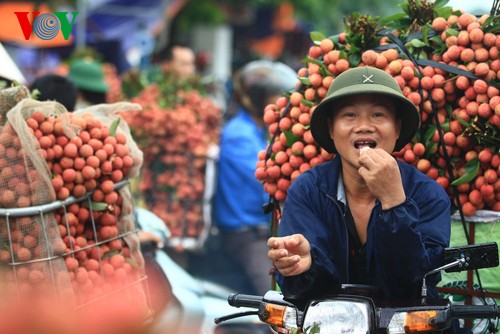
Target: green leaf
x,y
440,3
393,18
314,60
444,12
417,43
430,147
436,40
317,37
307,102
354,60
429,134
471,169
324,72
462,121
110,253
290,138
451,32
98,206
305,81
114,127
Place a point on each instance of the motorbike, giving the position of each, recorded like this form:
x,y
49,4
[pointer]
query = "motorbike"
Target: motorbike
x,y
357,309
182,303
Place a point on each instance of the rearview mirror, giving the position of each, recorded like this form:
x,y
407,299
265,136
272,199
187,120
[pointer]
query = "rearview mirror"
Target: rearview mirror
x,y
476,256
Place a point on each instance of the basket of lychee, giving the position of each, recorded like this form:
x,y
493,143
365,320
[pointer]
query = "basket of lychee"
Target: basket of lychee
x,y
68,235
445,61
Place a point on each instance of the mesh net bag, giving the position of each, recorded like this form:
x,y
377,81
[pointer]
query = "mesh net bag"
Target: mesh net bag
x,y
67,221
9,97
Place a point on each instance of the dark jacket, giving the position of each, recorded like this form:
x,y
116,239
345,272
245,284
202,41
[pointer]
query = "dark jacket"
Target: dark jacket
x,y
403,243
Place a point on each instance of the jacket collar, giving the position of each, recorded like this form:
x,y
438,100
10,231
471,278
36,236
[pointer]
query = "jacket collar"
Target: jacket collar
x,y
329,179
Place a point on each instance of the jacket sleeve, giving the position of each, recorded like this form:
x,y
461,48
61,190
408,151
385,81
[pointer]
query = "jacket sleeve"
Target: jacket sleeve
x,y
409,240
302,214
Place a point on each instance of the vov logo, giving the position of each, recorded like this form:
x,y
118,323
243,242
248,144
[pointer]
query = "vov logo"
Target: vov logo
x,y
46,26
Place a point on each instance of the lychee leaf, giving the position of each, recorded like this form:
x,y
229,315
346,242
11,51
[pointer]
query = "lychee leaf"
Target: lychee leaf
x,y
428,134
317,37
471,170
354,60
290,138
98,206
313,60
305,81
444,12
451,32
417,43
110,253
114,127
431,147
462,121
307,103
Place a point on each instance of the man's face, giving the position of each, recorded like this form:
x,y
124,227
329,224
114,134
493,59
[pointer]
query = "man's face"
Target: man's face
x,y
183,62
363,120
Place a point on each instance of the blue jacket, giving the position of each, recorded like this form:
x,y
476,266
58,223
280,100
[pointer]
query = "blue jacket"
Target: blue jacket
x,y
403,243
239,196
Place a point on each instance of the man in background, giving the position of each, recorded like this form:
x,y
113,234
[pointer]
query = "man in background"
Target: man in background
x,y
88,76
178,59
54,87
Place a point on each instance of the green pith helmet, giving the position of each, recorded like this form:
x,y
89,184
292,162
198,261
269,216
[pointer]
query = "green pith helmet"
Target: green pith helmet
x,y
88,74
364,80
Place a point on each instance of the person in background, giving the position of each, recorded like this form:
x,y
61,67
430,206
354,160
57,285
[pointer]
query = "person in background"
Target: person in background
x,y
179,59
363,217
54,87
239,196
88,76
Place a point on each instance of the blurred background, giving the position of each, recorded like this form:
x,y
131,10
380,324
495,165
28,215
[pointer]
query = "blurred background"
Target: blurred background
x,y
223,33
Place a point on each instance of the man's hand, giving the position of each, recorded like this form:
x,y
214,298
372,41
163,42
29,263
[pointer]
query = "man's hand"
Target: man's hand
x,y
381,173
291,255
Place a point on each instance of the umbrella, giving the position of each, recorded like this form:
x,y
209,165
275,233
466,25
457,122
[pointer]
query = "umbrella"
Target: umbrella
x,y
9,69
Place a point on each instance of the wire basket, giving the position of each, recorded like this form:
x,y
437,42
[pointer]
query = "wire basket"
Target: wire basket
x,y
75,255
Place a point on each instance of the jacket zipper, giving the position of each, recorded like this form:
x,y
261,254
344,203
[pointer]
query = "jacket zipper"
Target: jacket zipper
x,y
335,201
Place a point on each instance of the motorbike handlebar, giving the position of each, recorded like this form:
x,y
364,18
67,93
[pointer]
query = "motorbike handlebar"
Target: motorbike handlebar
x,y
475,311
242,300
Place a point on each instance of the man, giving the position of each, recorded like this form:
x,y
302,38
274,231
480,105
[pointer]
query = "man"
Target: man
x,y
179,59
54,87
364,217
88,76
239,197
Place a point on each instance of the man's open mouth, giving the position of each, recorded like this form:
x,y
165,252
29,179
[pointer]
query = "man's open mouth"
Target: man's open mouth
x,y
365,143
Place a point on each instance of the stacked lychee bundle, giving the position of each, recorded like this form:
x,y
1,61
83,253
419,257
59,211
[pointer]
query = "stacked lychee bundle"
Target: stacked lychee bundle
x,y
446,63
68,238
175,137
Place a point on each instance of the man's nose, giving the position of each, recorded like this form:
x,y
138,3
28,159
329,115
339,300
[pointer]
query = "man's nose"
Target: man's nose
x,y
364,123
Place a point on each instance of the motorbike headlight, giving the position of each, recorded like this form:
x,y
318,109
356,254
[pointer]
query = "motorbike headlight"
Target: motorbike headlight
x,y
338,316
